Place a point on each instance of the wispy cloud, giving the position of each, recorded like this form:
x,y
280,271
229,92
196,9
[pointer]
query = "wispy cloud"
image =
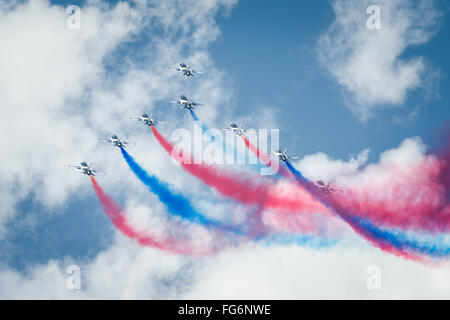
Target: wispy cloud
x,y
370,64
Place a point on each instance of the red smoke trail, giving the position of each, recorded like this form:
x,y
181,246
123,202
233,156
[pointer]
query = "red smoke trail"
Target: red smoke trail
x,y
313,223
444,154
381,239
411,194
115,213
317,223
265,158
377,242
248,189
410,197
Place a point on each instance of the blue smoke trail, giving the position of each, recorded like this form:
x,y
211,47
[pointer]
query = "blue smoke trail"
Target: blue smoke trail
x,y
176,203
309,241
399,239
205,128
193,115
180,206
297,173
394,238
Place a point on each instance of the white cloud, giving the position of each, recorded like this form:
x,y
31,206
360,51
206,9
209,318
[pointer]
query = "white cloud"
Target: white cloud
x,y
302,273
125,271
402,189
320,166
392,168
369,63
45,69
57,97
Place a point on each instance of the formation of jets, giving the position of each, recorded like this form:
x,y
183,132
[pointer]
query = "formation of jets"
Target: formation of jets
x,y
186,103
86,169
185,70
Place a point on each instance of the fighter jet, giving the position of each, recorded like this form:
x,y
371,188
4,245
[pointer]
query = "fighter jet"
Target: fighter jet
x,y
186,103
185,70
116,142
235,129
326,188
86,169
282,155
147,120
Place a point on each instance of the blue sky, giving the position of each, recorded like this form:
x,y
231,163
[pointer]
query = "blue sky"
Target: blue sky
x,y
270,51
78,230
268,54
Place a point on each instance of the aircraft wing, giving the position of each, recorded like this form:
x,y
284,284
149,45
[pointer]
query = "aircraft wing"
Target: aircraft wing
x,y
173,101
78,167
98,171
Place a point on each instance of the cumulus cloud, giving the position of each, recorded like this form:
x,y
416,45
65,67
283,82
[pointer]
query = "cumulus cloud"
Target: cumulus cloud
x,y
357,172
45,69
402,189
320,166
412,151
304,273
369,64
59,94
125,271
